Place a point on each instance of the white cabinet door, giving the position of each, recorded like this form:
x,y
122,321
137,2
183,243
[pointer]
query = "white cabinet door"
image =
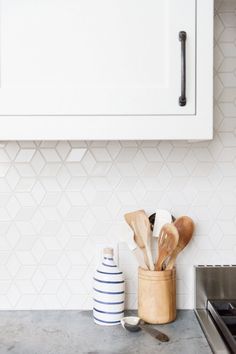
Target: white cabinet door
x,y
96,57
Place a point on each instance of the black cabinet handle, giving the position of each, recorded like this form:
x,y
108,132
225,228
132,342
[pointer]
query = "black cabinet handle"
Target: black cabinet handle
x,y
182,38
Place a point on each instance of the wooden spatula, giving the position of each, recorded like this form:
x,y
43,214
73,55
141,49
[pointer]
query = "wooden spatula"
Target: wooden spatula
x,y
185,227
127,235
167,242
140,224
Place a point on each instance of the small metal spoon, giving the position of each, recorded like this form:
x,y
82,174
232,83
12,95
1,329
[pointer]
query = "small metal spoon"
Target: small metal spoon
x,y
152,331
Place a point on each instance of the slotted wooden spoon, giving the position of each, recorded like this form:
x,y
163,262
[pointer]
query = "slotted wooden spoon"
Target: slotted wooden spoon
x,y
167,242
139,222
185,227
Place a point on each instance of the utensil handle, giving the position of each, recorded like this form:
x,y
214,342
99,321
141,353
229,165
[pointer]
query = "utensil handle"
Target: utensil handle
x,y
182,38
140,258
149,257
162,337
160,259
171,262
158,266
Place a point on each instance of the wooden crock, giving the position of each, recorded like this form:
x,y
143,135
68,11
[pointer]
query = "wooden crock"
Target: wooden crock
x,y
157,296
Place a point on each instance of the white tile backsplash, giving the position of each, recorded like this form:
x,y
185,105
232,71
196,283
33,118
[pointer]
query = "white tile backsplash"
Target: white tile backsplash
x,y
60,200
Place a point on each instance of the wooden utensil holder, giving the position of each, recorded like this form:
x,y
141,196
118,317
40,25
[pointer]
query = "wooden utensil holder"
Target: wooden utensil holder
x,y
157,296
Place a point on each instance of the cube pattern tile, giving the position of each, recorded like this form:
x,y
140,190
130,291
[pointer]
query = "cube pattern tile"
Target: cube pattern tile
x,y
61,201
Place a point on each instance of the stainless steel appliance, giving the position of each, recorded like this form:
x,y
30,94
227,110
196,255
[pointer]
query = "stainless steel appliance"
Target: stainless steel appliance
x,y
215,306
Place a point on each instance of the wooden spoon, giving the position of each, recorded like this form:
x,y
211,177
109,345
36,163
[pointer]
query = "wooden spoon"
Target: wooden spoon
x,y
167,242
185,227
140,224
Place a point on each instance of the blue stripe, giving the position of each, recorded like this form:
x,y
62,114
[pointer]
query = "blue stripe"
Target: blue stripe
x,y
99,271
110,259
107,292
109,282
108,265
105,321
109,303
109,313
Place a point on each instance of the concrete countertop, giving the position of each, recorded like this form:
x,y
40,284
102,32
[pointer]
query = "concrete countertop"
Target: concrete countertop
x,y
73,332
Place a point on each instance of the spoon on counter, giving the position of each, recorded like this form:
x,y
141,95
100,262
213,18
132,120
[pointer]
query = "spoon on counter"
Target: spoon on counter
x,y
140,224
167,242
135,324
185,227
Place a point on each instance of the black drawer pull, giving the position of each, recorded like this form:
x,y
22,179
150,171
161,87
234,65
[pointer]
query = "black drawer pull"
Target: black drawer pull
x,y
182,38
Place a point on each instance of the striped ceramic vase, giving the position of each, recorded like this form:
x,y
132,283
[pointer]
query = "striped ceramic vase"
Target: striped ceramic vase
x,y
109,291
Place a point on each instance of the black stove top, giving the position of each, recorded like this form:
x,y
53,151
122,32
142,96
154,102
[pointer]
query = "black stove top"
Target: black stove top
x,y
224,315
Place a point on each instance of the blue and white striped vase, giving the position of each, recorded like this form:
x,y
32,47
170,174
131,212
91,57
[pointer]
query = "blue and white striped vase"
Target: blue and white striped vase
x,y
109,291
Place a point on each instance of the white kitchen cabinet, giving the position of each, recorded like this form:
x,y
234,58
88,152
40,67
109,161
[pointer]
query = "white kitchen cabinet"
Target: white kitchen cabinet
x,y
106,69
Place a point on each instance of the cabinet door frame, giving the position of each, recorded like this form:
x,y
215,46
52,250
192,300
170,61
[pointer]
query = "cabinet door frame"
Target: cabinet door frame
x,y
160,127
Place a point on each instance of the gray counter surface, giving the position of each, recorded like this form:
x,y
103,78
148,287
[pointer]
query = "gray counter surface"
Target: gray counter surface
x,y
72,332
